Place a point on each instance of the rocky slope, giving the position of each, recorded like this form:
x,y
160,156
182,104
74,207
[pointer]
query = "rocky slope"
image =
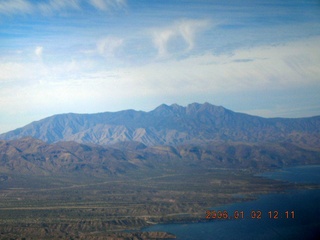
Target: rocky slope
x,y
171,125
32,156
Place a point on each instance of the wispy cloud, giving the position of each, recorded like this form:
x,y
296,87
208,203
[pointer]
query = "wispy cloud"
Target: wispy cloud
x,y
189,28
14,7
109,45
161,39
185,29
94,60
104,5
270,67
57,5
38,51
83,88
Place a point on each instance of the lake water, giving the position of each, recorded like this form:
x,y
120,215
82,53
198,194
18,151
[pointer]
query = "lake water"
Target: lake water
x,y
291,215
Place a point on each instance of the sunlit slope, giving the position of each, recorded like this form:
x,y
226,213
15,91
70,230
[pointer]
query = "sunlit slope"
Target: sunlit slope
x,y
171,125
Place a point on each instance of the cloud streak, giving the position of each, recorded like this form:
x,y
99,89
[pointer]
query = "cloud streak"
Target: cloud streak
x,y
109,45
53,6
104,5
270,67
17,7
78,87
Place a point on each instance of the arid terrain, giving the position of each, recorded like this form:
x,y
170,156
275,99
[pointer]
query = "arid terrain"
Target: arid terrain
x,y
88,208
136,169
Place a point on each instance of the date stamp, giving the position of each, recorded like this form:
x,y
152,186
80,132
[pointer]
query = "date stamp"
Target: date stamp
x,y
253,214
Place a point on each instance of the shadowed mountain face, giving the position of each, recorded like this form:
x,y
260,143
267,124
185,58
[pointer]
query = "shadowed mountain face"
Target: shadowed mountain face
x,y
28,155
33,156
171,125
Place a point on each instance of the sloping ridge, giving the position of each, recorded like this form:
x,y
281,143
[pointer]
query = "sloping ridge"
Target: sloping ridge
x,y
170,125
32,156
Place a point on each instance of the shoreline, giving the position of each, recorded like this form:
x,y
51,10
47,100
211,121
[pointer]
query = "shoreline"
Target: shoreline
x,y
249,188
296,187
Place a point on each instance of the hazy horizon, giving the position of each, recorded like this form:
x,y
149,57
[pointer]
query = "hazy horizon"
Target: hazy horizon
x,y
59,56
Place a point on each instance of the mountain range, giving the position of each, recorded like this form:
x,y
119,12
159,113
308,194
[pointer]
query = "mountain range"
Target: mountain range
x,y
199,136
171,125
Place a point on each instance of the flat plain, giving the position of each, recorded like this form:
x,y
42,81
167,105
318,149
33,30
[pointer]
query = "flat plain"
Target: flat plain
x,y
82,207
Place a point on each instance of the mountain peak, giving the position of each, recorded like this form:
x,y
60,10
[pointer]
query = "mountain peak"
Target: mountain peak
x,y
205,107
168,125
189,109
162,107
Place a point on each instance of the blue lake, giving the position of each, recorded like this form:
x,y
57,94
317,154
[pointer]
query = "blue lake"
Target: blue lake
x,y
298,214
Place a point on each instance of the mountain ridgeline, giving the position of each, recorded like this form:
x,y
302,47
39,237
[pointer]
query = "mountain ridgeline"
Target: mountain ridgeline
x,y
87,176
171,125
199,136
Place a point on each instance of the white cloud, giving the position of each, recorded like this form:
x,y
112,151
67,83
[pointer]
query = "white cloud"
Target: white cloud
x,y
104,5
264,67
99,4
14,71
186,29
74,86
27,7
161,39
53,6
271,67
15,6
58,5
109,45
38,51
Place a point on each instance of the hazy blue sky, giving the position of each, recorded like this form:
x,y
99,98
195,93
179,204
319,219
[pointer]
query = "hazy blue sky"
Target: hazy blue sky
x,y
261,57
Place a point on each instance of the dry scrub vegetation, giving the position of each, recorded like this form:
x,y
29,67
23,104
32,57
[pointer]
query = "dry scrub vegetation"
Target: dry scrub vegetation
x,y
81,207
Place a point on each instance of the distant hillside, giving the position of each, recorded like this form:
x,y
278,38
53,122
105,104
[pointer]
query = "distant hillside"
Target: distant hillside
x,y
32,156
171,125
28,155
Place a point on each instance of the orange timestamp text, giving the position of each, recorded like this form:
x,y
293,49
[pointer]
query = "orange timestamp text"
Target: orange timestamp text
x,y
253,214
